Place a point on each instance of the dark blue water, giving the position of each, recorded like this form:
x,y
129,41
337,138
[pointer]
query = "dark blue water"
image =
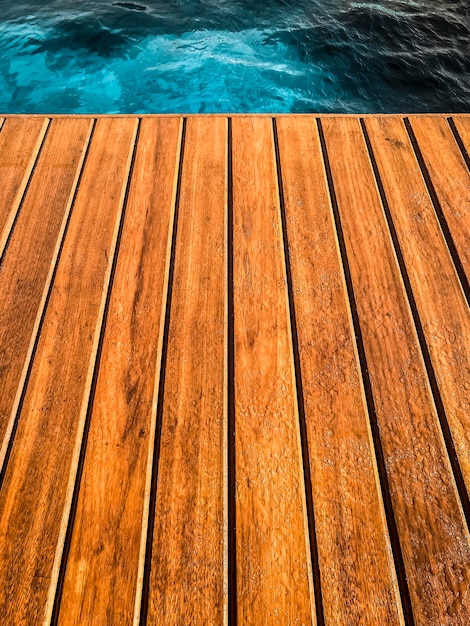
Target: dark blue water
x,y
201,56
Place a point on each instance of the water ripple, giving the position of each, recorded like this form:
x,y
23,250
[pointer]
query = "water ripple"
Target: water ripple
x,y
192,56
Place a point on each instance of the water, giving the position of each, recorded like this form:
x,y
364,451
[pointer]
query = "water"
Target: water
x,y
205,56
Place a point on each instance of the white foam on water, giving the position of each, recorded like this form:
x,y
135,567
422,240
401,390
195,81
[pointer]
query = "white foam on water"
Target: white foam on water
x,y
199,71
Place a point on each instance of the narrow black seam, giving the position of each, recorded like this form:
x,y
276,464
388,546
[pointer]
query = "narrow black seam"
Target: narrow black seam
x,y
91,399
300,396
43,315
231,439
439,212
161,392
422,340
459,141
26,189
373,420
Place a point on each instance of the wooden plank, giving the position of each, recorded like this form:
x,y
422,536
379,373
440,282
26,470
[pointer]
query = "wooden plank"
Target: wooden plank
x,y
38,482
431,527
462,124
274,580
187,577
358,586
101,575
20,142
450,178
29,261
441,304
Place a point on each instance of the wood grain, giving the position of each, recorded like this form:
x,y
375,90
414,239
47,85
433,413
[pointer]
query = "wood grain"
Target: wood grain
x,y
433,535
29,261
150,379
450,178
188,577
20,142
358,587
36,486
273,557
462,124
101,575
441,304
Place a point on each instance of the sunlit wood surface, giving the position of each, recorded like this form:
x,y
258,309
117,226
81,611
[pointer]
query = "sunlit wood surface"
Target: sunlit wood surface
x,y
235,370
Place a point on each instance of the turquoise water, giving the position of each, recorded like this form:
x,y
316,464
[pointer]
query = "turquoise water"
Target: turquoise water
x,y
233,56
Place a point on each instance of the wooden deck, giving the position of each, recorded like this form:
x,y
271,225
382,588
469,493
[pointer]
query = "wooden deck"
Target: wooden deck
x,y
235,371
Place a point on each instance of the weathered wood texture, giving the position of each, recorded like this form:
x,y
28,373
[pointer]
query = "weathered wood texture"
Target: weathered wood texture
x,y
342,460
102,567
34,491
431,527
234,370
450,180
273,555
437,291
187,573
30,260
20,143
